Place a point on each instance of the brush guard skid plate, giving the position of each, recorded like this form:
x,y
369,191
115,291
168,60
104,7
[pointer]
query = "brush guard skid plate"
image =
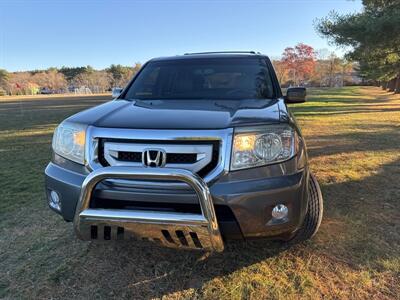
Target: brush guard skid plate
x,y
171,229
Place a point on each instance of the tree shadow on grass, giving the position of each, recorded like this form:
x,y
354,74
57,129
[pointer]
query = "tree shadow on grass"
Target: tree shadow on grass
x,y
348,96
348,91
344,106
368,206
385,138
316,111
146,271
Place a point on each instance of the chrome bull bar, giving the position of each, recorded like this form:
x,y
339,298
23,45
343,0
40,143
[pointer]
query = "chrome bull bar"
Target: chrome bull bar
x,y
171,229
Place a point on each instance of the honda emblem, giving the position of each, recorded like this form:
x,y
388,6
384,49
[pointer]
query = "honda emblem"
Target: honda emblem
x,y
154,158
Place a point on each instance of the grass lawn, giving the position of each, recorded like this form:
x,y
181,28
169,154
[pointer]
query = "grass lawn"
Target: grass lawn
x,y
353,136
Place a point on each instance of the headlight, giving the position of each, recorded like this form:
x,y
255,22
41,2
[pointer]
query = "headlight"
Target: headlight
x,y
257,146
69,141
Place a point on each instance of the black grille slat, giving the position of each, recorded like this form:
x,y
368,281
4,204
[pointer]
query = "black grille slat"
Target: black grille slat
x,y
172,158
181,158
130,156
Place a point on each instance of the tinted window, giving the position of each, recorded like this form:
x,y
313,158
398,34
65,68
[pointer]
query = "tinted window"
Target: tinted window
x,y
222,78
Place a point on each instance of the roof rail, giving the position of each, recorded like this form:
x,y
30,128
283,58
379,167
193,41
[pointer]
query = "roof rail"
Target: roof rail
x,y
222,52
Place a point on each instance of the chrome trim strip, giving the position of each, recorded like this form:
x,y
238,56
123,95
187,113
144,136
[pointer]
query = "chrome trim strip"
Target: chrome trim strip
x,y
92,214
136,218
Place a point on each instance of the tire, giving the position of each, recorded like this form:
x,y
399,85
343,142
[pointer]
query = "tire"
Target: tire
x,y
313,217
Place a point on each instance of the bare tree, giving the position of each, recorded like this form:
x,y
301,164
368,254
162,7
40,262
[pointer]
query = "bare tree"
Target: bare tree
x,y
50,79
96,81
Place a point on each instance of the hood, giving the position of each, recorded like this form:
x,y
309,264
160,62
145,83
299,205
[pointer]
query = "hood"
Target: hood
x,y
180,114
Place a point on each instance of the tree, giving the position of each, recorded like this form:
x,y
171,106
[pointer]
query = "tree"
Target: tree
x,y
334,68
50,79
300,62
96,81
372,35
321,68
3,80
120,75
116,73
71,73
331,70
55,79
20,83
281,71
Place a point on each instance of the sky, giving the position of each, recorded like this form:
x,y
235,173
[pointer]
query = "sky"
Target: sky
x,y
38,34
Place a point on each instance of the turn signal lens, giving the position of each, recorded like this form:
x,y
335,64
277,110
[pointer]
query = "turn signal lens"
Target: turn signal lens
x,y
244,142
79,138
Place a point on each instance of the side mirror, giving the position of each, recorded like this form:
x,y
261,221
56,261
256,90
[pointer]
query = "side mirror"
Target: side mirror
x,y
116,92
295,95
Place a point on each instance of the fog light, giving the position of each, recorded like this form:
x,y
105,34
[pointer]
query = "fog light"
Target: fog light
x,y
280,212
55,201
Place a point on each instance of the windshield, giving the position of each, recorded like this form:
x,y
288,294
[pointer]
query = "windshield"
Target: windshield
x,y
216,78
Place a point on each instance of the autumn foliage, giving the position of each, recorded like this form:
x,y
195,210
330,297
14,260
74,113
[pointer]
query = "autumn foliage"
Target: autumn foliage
x,y
299,61
301,65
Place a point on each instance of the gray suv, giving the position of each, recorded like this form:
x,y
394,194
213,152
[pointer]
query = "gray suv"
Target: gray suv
x,y
196,150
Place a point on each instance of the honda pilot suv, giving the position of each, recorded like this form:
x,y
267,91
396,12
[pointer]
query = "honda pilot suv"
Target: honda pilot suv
x,y
196,150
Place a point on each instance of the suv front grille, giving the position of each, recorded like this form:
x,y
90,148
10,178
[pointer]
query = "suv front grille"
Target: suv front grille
x,y
118,153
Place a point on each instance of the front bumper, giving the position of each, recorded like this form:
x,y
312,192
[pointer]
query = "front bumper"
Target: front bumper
x,y
249,194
